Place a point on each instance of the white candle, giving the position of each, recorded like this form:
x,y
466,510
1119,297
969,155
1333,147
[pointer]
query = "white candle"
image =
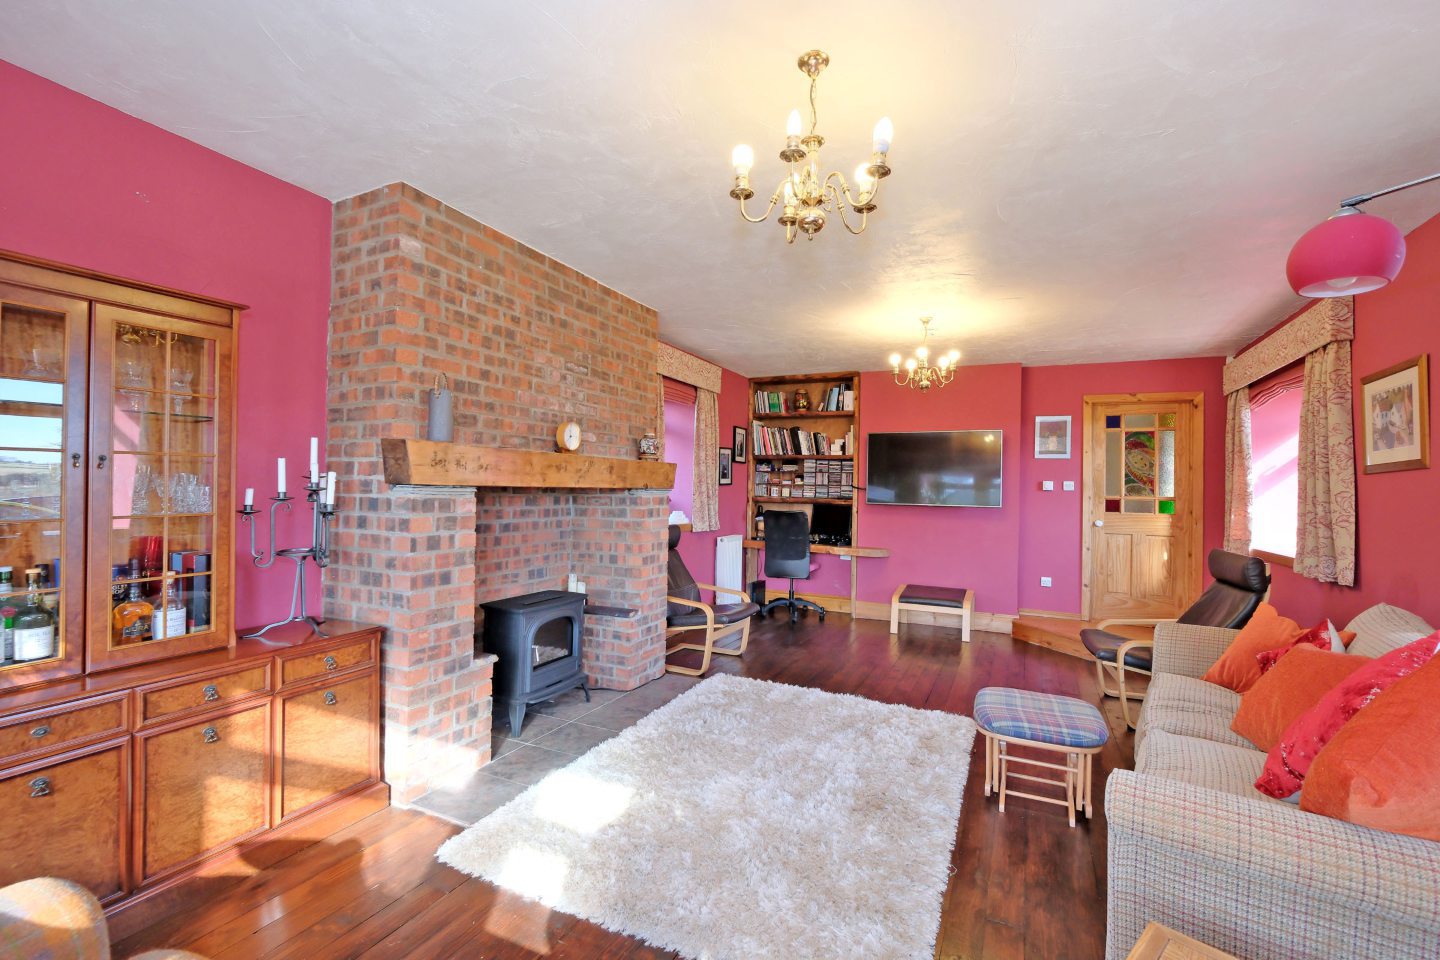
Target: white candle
x,y
315,459
330,488
280,475
249,497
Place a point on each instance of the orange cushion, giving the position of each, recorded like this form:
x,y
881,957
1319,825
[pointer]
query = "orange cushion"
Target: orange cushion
x,y
1237,667
1382,769
1294,685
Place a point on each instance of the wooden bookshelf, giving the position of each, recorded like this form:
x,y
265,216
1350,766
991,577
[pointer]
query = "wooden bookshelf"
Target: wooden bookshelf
x,y
835,424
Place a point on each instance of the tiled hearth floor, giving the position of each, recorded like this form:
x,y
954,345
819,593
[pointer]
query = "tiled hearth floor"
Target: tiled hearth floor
x,y
554,733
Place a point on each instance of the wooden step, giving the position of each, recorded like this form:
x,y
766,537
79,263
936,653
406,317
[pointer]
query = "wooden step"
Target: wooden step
x,y
1063,635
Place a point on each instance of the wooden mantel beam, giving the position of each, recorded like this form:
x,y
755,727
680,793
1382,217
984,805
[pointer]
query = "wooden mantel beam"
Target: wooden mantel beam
x,y
427,463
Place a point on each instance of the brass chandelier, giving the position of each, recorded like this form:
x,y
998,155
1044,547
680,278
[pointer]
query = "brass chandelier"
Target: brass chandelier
x,y
804,195
920,373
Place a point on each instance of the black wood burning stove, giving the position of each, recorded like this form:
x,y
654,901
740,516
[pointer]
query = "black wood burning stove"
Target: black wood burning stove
x,y
536,641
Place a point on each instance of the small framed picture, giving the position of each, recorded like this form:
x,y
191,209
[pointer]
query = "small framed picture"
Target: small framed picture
x,y
1396,405
742,441
1052,438
727,466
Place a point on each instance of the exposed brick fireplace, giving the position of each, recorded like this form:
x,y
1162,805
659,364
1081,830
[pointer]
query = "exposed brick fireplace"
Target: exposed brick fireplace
x,y
421,289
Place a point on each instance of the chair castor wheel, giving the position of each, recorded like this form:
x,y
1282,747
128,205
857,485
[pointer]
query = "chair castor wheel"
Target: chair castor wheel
x,y
822,614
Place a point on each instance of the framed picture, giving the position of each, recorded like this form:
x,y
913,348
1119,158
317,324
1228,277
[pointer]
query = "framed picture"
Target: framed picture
x,y
727,466
1052,438
742,441
1396,405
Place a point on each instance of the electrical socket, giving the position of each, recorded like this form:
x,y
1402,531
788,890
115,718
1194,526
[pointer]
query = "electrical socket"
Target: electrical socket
x,y
1044,581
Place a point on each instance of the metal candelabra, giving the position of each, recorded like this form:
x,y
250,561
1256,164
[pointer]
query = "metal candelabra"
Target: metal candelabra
x,y
319,551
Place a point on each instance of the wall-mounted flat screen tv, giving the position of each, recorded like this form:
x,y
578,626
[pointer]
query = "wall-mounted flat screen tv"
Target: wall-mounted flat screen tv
x,y
953,468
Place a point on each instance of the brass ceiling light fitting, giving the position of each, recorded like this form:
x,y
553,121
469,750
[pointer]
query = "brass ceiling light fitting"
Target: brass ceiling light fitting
x,y
804,195
920,374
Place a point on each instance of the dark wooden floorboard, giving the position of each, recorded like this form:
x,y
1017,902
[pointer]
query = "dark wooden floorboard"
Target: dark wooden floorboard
x,y
1025,884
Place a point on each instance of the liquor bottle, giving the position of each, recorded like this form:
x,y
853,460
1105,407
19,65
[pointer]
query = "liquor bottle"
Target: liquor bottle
x,y
168,619
49,600
34,637
119,573
7,632
131,620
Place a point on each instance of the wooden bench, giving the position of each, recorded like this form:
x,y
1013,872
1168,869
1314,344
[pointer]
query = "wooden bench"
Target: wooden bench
x,y
919,598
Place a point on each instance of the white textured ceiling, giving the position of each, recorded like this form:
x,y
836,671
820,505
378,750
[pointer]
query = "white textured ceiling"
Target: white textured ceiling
x,y
1074,181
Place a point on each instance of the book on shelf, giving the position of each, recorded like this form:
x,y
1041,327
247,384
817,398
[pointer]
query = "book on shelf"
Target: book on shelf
x,y
795,442
836,398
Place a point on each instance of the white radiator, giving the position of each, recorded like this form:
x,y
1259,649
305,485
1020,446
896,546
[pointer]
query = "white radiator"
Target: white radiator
x,y
728,552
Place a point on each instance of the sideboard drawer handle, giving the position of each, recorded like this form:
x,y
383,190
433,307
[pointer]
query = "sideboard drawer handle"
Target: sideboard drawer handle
x,y
41,731
331,663
211,693
330,698
211,735
40,787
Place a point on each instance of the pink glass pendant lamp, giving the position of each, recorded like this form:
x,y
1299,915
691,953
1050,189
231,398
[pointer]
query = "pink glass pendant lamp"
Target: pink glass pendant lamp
x,y
1352,252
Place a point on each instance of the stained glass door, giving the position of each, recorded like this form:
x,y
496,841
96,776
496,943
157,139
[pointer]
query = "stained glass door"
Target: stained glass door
x,y
43,344
1143,492
160,542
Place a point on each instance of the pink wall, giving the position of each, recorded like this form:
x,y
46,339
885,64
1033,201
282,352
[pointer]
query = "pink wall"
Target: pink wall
x,y
1050,535
956,546
87,185
698,549
1397,521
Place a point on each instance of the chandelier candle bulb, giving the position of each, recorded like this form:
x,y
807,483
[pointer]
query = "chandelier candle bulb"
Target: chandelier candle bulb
x,y
793,125
884,133
743,159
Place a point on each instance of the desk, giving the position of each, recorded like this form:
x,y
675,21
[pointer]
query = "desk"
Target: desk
x,y
752,560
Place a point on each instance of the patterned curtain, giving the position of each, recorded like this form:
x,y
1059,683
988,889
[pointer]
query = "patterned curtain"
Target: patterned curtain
x,y
1239,492
705,507
1325,544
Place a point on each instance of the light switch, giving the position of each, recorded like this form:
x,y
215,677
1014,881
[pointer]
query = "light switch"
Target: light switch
x,y
1047,484
1044,581
1069,484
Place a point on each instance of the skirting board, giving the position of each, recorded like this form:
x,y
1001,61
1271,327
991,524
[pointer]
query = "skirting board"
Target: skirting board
x,y
1050,614
831,604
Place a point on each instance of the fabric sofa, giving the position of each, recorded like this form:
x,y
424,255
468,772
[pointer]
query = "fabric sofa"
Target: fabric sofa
x,y
1193,844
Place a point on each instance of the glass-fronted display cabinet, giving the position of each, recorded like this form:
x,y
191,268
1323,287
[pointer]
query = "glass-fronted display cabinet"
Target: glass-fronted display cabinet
x,y
115,440
43,349
156,441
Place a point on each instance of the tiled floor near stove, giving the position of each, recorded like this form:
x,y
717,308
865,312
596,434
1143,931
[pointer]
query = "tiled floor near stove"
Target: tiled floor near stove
x,y
554,733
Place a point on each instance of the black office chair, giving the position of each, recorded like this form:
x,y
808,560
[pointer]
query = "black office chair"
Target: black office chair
x,y
1241,583
787,556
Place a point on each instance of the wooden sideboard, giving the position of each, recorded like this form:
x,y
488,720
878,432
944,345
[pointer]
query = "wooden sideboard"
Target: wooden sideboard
x,y
131,780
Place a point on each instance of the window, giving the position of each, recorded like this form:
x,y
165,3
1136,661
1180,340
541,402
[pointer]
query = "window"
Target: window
x,y
680,442
1274,450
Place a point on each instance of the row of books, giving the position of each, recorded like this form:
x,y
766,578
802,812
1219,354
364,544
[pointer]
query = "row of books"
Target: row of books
x,y
835,399
817,480
794,442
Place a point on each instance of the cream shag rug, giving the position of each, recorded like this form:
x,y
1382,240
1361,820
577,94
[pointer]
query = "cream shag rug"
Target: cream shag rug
x,y
745,819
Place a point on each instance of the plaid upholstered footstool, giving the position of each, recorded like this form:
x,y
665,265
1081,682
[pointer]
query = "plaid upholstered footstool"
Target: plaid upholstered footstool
x,y
1045,722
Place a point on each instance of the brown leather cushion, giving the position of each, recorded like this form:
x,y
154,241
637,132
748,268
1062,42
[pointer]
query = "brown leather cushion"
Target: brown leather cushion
x,y
724,614
1104,645
935,596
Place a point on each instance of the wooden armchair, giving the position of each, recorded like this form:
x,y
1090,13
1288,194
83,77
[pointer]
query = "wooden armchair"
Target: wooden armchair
x,y
687,613
1240,585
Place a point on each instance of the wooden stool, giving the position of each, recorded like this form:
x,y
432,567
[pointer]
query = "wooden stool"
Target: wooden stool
x,y
1047,722
952,601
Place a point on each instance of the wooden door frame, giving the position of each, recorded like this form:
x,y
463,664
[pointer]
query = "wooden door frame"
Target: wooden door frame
x,y
1195,460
